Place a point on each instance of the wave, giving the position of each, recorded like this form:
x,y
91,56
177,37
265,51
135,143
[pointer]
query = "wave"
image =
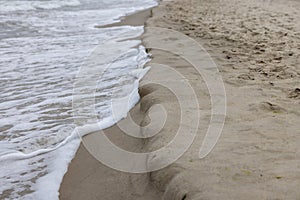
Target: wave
x,y
42,50
11,6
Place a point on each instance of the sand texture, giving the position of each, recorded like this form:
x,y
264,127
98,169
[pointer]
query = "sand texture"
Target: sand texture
x,y
256,46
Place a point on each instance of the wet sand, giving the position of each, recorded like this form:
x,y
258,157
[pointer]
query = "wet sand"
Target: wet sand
x,y
256,48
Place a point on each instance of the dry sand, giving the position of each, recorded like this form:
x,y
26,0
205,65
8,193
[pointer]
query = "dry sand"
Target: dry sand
x,y
256,46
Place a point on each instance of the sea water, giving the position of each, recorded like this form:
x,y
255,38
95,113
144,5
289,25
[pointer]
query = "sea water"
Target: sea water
x,y
47,48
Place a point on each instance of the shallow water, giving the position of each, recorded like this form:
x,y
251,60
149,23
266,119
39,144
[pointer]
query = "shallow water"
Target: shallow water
x,y
43,45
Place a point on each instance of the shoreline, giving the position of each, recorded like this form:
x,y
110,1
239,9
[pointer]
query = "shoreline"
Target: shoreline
x,y
257,156
135,19
79,170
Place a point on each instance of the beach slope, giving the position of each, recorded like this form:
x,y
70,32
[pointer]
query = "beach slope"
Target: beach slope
x,y
256,46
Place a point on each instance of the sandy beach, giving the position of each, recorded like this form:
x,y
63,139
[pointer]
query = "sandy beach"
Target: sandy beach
x,y
256,47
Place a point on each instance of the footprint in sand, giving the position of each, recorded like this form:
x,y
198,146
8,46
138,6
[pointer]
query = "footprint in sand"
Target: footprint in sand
x,y
268,106
295,94
271,107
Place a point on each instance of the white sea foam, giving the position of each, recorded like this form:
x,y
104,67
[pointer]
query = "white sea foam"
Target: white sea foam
x,y
40,55
12,5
